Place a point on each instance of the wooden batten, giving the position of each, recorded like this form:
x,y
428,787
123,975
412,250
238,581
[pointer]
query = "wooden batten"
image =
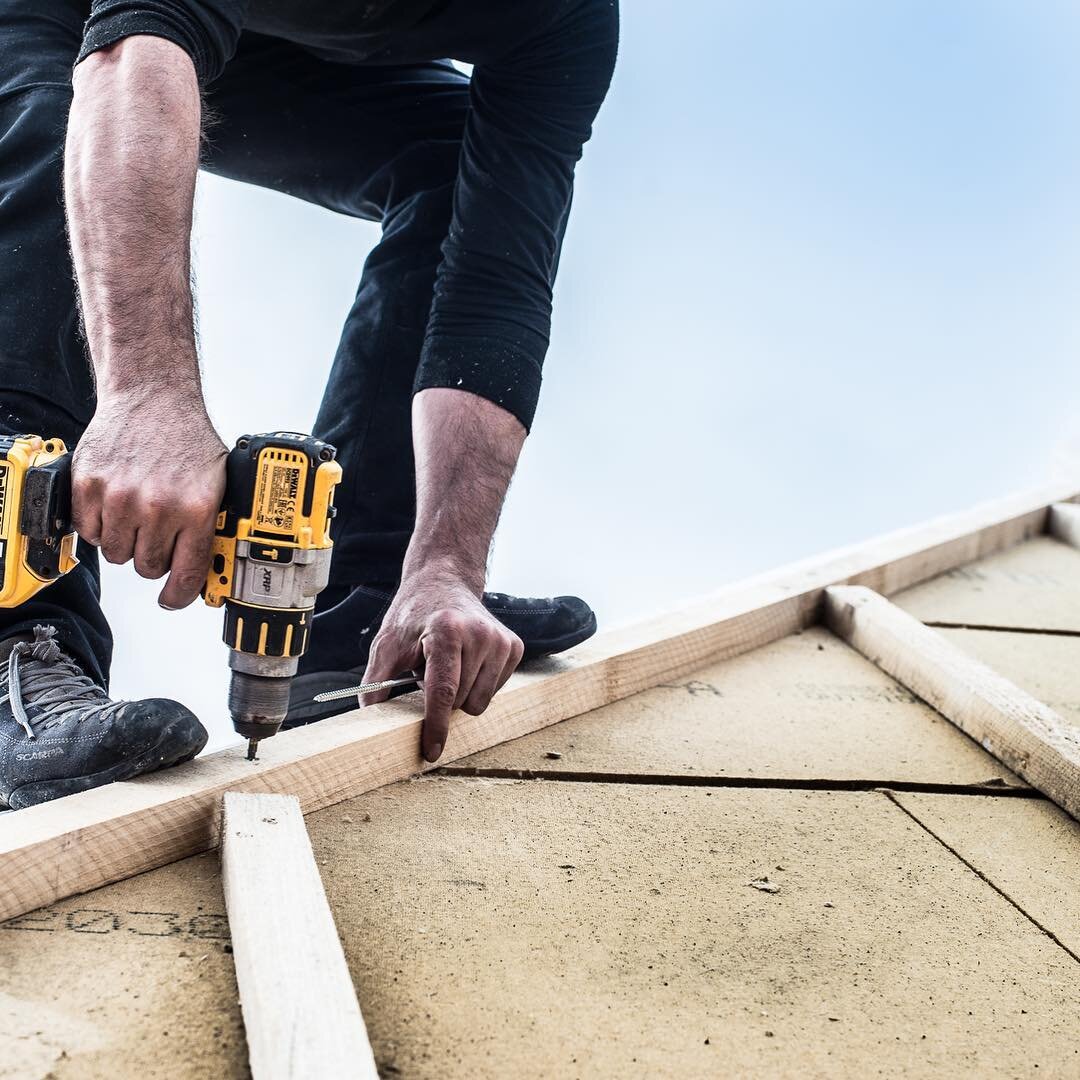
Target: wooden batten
x,y
1022,733
300,1010
1064,523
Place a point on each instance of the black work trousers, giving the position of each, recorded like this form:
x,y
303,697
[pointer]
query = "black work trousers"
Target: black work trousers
x,y
374,142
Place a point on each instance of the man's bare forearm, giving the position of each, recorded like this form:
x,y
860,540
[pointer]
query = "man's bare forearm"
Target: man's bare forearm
x,y
148,474
466,451
130,165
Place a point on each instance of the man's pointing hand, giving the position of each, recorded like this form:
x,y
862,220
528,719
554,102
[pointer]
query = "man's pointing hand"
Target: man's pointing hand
x,y
466,654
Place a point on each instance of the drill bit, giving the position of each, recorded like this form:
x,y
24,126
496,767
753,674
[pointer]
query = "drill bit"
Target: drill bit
x,y
350,691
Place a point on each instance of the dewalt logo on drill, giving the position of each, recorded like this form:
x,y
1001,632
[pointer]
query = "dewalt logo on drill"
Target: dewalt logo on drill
x,y
280,489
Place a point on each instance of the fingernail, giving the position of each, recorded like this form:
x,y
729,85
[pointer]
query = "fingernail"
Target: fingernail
x,y
165,607
434,752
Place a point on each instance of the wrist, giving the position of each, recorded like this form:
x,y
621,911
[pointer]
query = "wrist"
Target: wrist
x,y
178,399
150,370
427,564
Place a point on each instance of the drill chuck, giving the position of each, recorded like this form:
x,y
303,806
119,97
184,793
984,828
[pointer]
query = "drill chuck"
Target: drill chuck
x,y
258,704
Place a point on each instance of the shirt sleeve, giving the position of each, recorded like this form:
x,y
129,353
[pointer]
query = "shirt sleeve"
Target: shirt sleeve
x,y
207,30
530,115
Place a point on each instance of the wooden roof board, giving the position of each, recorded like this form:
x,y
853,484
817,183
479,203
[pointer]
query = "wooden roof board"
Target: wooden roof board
x,y
1045,665
1027,848
806,707
86,840
1034,585
1022,732
533,929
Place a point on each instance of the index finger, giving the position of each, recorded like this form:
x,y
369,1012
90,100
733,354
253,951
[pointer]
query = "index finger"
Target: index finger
x,y
187,573
442,674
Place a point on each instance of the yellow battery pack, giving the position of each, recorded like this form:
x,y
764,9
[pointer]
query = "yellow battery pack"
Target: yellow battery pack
x,y
37,541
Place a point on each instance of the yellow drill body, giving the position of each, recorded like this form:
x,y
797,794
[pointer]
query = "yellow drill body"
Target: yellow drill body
x,y
271,558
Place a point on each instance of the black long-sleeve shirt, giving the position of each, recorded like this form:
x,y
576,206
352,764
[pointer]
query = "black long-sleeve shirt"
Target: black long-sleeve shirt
x,y
541,72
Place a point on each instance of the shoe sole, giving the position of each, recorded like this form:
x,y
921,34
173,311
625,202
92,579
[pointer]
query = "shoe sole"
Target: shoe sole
x,y
549,647
150,761
306,686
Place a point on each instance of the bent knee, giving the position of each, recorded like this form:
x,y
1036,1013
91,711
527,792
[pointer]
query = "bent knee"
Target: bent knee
x,y
33,123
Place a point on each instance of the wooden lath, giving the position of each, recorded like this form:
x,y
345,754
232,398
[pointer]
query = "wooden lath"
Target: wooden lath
x,y
1025,735
62,848
300,1009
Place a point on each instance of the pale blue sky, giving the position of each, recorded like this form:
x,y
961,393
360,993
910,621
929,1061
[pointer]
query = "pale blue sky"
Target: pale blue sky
x,y
820,282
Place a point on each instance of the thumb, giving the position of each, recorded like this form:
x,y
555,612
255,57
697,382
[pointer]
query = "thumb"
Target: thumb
x,y
388,659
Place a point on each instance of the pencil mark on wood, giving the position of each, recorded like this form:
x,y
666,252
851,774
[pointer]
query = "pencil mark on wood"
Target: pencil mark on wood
x,y
694,688
208,926
856,692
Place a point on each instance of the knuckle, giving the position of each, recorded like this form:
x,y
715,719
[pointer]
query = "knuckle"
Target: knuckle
x,y
447,622
443,695
384,646
149,568
83,484
123,507
85,524
158,502
184,581
122,495
111,553
204,507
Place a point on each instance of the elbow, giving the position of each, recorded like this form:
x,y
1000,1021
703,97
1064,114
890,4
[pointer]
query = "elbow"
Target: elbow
x,y
141,68
134,121
136,98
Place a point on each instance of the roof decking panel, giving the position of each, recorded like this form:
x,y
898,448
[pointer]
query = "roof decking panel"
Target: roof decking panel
x,y
806,707
1034,585
133,980
536,929
1047,666
1028,848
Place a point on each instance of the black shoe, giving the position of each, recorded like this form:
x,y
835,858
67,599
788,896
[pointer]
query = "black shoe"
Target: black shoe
x,y
60,733
341,637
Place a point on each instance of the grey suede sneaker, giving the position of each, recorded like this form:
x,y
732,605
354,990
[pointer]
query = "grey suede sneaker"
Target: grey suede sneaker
x,y
61,733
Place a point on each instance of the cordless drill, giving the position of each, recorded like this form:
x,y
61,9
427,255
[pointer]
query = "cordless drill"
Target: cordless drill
x,y
271,553
271,558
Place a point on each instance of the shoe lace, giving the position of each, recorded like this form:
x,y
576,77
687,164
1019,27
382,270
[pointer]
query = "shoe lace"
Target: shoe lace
x,y
40,674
